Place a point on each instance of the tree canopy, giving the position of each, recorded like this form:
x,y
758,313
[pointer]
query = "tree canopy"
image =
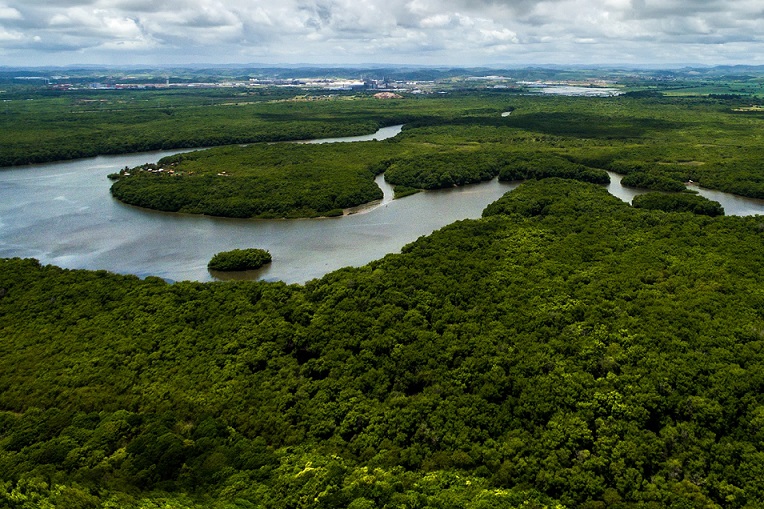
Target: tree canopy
x,y
658,143
239,259
678,202
564,350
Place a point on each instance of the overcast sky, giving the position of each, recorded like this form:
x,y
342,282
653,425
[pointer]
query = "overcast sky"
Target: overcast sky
x,y
432,32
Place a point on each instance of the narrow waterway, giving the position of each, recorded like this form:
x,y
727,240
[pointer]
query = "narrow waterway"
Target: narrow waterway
x,y
733,205
63,214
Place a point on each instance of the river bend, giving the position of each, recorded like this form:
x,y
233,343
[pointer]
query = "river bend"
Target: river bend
x,y
63,214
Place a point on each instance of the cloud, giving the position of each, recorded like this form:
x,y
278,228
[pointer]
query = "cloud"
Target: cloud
x,y
9,13
416,31
7,36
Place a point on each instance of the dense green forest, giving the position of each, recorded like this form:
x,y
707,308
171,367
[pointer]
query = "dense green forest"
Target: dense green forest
x,y
57,126
659,143
264,180
239,259
566,350
678,202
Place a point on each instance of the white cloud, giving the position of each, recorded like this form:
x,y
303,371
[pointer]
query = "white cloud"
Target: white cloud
x,y
437,21
417,31
9,13
8,36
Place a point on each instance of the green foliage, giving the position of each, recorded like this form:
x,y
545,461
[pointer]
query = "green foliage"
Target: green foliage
x,y
526,166
451,139
239,259
85,124
403,191
651,181
711,140
281,180
467,166
680,202
558,195
443,169
658,142
566,349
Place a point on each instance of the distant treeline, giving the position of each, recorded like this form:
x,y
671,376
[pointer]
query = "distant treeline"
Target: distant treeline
x,y
77,125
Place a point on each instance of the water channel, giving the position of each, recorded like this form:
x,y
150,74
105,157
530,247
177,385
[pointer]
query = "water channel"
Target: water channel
x,y
63,214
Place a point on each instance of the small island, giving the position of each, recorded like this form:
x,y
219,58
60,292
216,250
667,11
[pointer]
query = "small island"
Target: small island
x,y
239,259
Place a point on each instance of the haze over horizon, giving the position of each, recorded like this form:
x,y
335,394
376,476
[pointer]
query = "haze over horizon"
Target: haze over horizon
x,y
422,32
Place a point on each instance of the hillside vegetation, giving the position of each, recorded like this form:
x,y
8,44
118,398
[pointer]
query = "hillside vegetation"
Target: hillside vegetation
x,y
564,350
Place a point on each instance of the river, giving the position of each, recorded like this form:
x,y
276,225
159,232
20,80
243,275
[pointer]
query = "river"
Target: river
x,y
63,214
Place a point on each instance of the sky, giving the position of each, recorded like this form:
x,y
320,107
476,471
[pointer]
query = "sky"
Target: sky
x,y
421,32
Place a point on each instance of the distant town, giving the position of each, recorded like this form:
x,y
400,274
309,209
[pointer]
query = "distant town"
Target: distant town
x,y
598,81
65,83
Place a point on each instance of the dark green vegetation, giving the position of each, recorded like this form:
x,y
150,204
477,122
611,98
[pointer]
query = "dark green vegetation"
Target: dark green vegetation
x,y
460,167
659,143
41,120
239,259
647,180
566,348
543,165
444,169
55,125
279,180
678,202
403,191
451,139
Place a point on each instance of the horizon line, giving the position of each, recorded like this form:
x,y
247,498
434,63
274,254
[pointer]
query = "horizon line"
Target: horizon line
x,y
282,65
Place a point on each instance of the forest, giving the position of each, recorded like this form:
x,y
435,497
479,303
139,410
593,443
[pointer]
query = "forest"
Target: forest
x,y
53,126
659,139
658,143
565,350
678,202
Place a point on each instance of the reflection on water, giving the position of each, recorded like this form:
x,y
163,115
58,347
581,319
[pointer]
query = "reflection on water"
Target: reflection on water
x,y
625,193
733,205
